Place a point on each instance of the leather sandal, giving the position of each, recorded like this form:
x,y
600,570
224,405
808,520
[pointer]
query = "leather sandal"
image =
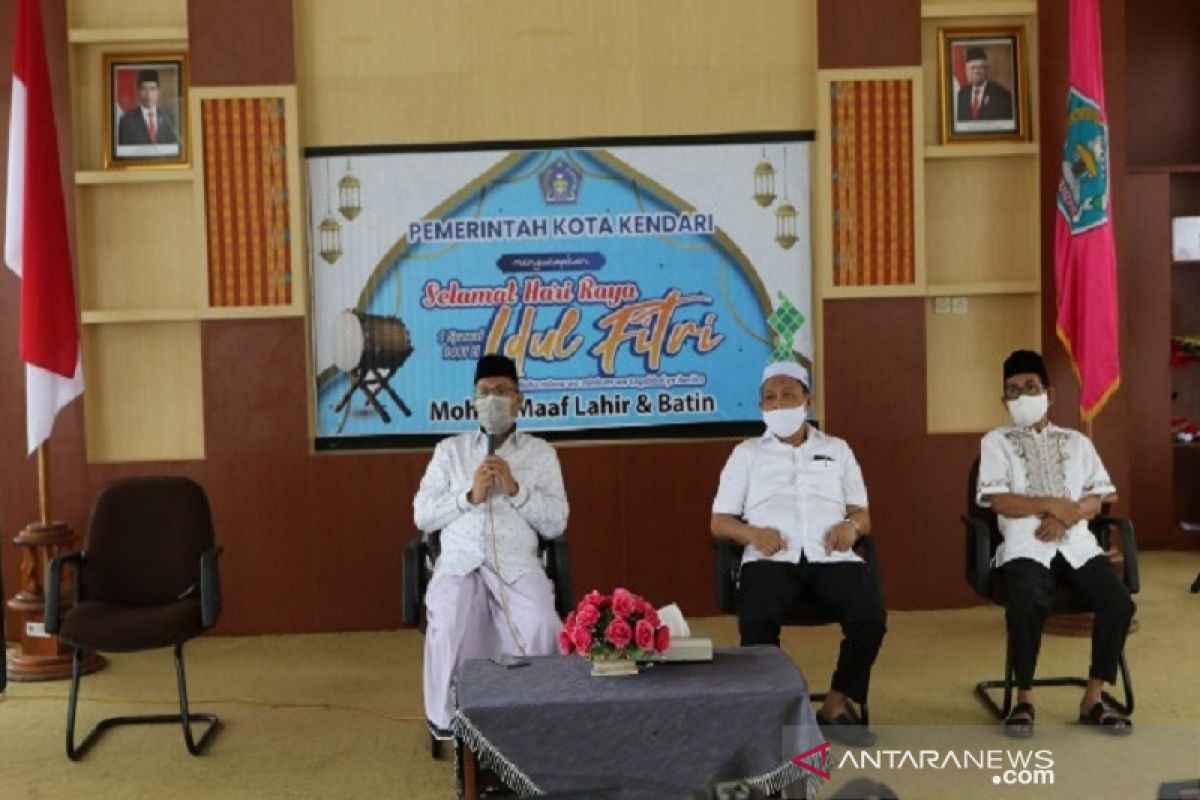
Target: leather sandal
x,y
1019,724
1107,719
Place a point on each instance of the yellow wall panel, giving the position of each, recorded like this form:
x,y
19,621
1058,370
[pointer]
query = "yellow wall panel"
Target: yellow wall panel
x,y
126,13
137,247
964,353
144,398
380,72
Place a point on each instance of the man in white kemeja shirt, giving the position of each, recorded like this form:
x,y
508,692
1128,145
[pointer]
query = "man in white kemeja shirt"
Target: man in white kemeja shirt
x,y
1044,483
795,498
491,493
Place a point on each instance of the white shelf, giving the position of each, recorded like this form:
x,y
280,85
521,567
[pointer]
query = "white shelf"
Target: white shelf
x,y
982,150
158,175
120,35
134,315
985,8
994,287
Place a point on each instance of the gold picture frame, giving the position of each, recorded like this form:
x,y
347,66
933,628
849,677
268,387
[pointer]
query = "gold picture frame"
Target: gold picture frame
x,y
146,114
982,84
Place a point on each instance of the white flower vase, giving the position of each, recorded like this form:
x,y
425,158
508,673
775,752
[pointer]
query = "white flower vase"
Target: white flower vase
x,y
612,665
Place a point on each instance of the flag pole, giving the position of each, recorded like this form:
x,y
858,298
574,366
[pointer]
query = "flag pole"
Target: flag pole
x,y
43,484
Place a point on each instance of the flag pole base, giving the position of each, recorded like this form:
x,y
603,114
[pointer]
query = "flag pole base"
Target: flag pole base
x,y
41,656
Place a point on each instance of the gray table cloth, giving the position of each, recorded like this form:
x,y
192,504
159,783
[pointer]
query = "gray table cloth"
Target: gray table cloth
x,y
664,733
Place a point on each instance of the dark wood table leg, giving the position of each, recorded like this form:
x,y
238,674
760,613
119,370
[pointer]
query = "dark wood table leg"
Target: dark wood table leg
x,y
470,773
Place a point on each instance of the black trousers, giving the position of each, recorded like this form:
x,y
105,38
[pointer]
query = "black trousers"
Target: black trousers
x,y
1031,595
769,589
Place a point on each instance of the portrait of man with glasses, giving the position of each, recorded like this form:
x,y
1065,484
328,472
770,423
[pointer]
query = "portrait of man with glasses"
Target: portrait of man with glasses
x,y
1045,483
492,493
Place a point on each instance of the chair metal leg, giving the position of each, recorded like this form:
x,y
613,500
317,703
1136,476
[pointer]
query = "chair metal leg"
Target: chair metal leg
x,y
983,689
184,717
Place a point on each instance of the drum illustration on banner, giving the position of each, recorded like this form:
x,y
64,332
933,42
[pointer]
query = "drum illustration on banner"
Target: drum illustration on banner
x,y
638,289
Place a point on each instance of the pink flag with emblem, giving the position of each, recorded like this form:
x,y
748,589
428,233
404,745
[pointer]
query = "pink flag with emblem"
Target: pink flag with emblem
x,y
1085,261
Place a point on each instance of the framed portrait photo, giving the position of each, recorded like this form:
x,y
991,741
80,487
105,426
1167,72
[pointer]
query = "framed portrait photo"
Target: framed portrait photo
x,y
982,92
145,110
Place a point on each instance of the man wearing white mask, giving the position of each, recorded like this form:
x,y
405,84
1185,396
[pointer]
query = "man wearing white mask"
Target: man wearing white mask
x,y
795,498
1044,483
492,493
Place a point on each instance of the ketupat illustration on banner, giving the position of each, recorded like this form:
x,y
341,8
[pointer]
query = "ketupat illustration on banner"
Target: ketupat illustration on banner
x,y
640,288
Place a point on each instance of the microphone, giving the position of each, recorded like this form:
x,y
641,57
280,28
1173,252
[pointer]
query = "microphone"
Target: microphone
x,y
493,441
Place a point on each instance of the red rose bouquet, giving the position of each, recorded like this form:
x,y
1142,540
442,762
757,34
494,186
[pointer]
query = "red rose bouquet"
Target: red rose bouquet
x,y
617,626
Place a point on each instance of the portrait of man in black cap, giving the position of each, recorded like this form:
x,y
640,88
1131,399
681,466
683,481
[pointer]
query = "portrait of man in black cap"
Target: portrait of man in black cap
x,y
147,123
981,99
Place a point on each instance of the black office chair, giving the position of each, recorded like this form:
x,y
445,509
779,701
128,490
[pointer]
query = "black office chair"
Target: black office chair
x,y
806,612
421,554
982,539
146,579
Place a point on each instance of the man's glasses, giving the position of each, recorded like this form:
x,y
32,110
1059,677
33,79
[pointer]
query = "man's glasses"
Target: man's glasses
x,y
496,391
1030,388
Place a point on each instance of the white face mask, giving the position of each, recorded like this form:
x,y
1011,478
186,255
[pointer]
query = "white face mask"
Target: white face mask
x,y
496,415
784,422
1028,409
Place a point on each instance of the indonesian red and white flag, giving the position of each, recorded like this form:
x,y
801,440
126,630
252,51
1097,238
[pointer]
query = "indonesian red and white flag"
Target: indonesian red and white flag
x,y
35,244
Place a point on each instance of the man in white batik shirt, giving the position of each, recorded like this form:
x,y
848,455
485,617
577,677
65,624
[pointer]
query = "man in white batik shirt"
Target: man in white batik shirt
x,y
492,493
795,498
1045,483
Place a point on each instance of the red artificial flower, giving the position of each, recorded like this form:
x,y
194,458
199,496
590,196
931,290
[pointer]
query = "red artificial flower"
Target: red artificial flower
x,y
587,616
618,632
662,639
643,635
583,639
623,603
651,616
596,599
565,644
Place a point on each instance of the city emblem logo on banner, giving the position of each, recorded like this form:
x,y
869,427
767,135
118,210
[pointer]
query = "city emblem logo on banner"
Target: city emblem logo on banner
x,y
1083,186
560,183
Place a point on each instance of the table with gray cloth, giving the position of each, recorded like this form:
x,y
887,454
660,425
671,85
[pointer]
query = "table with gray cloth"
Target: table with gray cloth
x,y
664,733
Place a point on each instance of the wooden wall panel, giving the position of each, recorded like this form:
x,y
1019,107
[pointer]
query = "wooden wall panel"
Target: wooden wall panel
x,y
1163,62
875,399
1145,246
242,42
868,33
469,70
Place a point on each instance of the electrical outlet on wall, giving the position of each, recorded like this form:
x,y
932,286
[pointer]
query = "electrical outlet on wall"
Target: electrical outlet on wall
x,y
941,305
958,305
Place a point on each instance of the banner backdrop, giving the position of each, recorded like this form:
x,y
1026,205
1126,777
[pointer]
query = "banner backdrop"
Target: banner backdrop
x,y
640,286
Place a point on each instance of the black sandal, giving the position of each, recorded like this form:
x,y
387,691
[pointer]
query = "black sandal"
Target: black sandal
x,y
1107,720
1019,724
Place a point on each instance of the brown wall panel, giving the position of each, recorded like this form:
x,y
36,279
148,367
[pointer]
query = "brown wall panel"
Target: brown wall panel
x,y
1145,247
1163,62
868,33
875,398
241,42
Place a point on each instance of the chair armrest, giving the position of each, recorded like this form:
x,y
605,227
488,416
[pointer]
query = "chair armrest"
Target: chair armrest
x,y
978,560
558,570
1101,528
410,586
210,587
729,559
53,585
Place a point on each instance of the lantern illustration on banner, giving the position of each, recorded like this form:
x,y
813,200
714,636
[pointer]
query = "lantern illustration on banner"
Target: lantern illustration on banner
x,y
349,194
764,181
330,229
785,215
